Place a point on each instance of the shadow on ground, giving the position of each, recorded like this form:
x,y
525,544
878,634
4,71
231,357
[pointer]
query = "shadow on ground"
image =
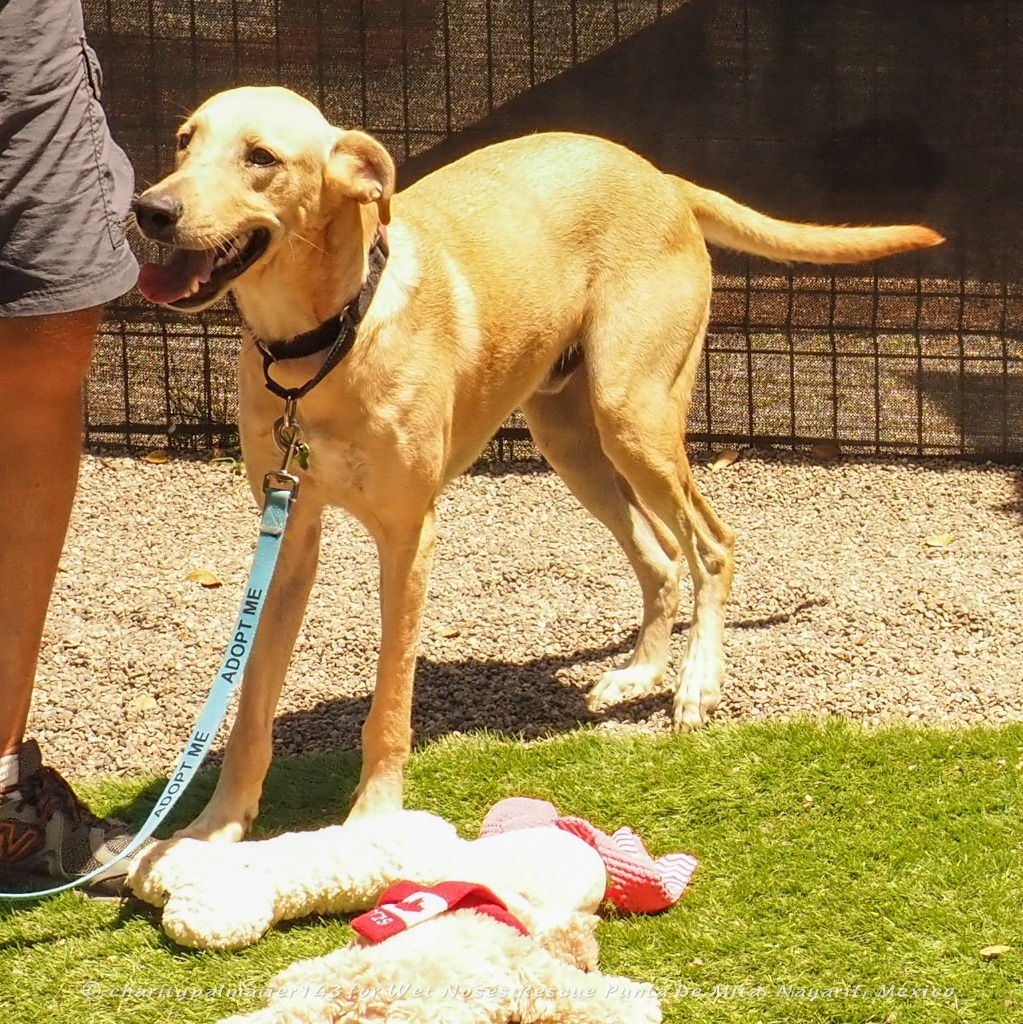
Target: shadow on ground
x,y
517,700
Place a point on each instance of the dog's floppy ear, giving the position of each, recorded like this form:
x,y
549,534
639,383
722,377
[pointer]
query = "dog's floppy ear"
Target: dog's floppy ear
x,y
360,168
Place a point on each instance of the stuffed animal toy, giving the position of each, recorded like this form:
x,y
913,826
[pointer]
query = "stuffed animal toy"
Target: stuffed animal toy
x,y
487,931
462,967
225,896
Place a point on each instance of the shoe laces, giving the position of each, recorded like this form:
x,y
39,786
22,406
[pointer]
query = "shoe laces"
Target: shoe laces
x,y
48,792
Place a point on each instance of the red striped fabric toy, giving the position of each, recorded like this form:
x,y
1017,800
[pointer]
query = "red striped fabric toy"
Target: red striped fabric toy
x,y
636,883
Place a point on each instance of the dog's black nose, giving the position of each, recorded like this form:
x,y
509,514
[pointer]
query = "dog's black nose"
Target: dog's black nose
x,y
157,216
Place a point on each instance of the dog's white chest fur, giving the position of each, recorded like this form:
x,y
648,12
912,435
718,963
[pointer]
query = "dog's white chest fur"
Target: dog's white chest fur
x,y
340,472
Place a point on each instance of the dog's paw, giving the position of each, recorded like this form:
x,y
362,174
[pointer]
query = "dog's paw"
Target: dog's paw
x,y
622,684
213,827
694,709
376,797
686,717
223,896
630,1002
695,713
699,688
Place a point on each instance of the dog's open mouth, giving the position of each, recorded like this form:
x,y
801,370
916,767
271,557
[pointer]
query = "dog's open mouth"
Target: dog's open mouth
x,y
195,277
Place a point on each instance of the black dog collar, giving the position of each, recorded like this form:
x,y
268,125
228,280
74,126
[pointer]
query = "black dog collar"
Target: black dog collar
x,y
335,336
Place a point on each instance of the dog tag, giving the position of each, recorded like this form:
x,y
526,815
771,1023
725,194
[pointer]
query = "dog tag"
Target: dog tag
x,y
302,454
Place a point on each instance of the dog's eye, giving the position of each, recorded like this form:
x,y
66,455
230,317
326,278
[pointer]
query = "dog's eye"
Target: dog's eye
x,y
261,157
184,139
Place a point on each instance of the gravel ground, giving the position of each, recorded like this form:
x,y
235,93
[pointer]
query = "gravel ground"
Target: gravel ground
x,y
840,606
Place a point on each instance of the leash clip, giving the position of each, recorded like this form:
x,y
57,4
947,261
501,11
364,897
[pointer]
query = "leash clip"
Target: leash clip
x,y
288,438
287,431
281,480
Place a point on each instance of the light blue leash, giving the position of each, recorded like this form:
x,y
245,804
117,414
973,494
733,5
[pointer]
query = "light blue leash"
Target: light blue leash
x,y
279,491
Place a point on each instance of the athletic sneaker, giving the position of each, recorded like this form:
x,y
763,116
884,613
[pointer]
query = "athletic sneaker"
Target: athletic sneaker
x,y
45,830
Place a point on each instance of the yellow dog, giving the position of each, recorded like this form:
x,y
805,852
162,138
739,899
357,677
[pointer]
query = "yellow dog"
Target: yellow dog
x,y
558,273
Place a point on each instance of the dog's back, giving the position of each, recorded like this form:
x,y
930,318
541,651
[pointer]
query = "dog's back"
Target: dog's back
x,y
582,188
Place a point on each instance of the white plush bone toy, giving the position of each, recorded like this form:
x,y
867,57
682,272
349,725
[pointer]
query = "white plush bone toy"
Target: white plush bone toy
x,y
225,896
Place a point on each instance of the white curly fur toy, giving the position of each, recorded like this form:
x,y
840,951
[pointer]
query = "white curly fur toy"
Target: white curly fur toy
x,y
460,968
225,896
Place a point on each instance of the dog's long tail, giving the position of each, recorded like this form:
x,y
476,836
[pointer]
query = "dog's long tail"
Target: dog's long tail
x,y
726,222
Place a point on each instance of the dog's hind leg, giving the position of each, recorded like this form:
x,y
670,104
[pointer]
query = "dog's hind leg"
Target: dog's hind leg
x,y
405,543
642,359
562,427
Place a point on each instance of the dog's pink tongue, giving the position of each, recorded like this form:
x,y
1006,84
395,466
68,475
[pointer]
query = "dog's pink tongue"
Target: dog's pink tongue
x,y
170,281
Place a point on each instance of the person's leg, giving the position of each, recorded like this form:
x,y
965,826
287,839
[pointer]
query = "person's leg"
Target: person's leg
x,y
66,192
43,361
44,828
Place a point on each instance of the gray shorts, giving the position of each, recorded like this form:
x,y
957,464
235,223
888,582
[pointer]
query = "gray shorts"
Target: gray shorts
x,y
65,187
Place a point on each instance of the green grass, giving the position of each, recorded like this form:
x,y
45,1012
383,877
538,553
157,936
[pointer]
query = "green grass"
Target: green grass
x,y
906,862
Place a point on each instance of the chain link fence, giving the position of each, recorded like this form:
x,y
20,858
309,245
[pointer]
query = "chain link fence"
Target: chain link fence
x,y
821,110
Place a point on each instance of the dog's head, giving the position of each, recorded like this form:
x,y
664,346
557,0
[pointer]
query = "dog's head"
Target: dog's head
x,y
259,172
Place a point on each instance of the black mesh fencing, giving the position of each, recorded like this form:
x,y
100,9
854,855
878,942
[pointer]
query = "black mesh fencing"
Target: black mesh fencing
x,y
824,110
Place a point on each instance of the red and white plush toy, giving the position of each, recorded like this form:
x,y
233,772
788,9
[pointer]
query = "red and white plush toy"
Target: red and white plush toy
x,y
484,931
637,883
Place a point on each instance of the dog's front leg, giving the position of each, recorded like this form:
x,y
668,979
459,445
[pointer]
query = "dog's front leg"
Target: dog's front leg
x,y
235,802
406,552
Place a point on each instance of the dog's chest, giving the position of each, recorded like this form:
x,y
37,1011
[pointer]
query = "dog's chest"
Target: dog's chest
x,y
341,472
